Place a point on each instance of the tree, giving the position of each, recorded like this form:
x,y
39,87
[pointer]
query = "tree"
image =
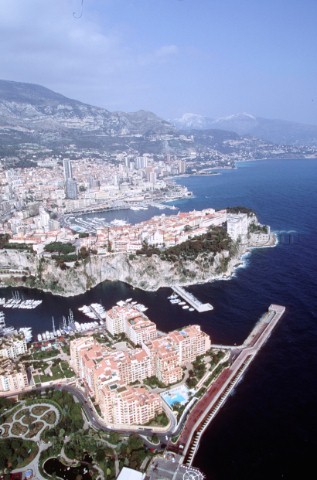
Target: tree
x,y
60,247
83,253
100,455
134,443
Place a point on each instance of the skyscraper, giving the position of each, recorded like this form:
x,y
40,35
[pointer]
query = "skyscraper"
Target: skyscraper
x,y
71,189
68,173
70,182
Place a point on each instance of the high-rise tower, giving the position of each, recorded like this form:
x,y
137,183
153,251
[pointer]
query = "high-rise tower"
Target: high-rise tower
x,y
68,173
70,183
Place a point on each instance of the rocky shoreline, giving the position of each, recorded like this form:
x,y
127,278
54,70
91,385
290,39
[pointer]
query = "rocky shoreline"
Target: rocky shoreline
x,y
139,271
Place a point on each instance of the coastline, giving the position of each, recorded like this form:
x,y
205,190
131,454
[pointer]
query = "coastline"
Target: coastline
x,y
147,274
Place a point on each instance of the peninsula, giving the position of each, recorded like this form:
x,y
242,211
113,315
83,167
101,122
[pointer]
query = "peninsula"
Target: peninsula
x,y
167,250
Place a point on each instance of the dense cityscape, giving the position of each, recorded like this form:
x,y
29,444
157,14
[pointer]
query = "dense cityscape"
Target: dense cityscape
x,y
158,240
127,375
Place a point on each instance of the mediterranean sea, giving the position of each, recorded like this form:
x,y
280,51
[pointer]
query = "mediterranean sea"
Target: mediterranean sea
x,y
268,426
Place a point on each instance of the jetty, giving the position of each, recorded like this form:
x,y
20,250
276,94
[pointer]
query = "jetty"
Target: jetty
x,y
192,300
208,406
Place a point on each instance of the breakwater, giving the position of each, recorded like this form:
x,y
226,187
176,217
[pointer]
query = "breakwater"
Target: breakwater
x,y
207,408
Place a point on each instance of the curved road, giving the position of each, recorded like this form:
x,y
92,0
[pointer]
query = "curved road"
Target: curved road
x,y
96,421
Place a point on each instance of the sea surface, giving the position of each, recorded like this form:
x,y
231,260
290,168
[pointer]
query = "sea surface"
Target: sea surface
x,y
268,427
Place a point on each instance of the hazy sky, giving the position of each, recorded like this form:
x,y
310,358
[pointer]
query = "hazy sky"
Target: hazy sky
x,y
213,57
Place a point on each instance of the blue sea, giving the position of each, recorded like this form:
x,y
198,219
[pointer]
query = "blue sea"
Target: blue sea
x,y
268,427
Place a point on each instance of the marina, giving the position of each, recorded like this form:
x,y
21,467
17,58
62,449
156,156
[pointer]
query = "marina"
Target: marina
x,y
4,330
138,306
17,302
82,222
174,300
68,326
95,311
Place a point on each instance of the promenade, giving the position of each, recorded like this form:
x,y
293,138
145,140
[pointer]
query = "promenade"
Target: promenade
x,y
208,406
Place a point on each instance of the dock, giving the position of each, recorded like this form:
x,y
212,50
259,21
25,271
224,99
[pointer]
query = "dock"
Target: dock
x,y
192,300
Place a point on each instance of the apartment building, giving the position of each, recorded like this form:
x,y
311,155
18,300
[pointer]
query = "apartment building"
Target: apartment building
x,y
165,359
89,361
190,342
12,346
13,376
108,373
129,320
121,404
75,347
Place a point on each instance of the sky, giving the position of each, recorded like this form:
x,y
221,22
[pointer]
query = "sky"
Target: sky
x,y
210,57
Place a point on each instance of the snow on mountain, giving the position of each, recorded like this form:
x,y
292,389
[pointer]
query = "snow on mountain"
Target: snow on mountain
x,y
276,131
192,121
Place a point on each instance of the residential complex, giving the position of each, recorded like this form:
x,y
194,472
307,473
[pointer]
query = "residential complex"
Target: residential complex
x,y
109,374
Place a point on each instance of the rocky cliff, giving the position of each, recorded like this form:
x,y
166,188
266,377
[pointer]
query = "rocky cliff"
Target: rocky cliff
x,y
147,273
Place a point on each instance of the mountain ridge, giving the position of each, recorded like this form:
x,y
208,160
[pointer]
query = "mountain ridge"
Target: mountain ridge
x,y
271,130
31,113
37,110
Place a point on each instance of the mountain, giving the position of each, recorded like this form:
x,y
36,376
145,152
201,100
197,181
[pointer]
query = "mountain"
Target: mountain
x,y
193,121
276,131
31,112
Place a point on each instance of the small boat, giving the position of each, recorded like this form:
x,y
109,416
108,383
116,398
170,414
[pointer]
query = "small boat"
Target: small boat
x,y
182,303
141,307
191,309
128,300
185,307
171,297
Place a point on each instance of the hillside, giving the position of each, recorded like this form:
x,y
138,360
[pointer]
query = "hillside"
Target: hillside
x,y
34,113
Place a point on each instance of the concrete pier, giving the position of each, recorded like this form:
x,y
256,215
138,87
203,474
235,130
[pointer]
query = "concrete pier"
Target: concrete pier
x,y
208,406
192,300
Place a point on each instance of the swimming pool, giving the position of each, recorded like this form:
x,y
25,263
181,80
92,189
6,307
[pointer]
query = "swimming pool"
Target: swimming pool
x,y
176,396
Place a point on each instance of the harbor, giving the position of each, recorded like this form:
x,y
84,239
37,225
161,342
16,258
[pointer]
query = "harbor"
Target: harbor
x,y
95,311
83,222
69,326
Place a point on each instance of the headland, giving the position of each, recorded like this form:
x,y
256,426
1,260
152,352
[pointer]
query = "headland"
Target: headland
x,y
166,251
